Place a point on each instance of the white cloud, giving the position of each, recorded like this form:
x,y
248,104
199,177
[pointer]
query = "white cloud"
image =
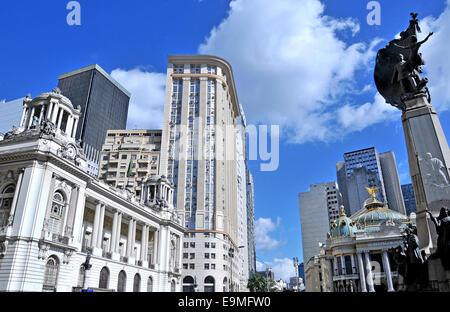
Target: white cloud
x,y
435,52
291,66
147,89
263,241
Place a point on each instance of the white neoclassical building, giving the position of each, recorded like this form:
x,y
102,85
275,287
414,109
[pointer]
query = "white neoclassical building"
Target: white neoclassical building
x,y
53,214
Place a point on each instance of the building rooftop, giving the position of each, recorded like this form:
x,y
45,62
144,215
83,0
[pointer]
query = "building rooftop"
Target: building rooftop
x,y
100,70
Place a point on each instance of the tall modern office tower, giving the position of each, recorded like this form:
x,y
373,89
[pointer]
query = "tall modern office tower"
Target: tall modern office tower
x,y
10,114
251,223
199,155
409,198
366,168
318,209
129,157
104,106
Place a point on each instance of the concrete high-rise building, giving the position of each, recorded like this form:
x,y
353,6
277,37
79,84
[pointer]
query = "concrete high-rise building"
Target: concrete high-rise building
x,y
104,106
366,168
318,209
409,198
128,157
251,223
199,155
10,114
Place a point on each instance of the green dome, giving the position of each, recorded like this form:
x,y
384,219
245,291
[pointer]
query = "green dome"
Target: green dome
x,y
377,212
343,227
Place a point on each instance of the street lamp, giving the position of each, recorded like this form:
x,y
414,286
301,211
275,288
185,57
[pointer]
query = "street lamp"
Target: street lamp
x,y
87,266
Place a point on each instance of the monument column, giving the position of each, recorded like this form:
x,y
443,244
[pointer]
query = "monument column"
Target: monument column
x,y
429,160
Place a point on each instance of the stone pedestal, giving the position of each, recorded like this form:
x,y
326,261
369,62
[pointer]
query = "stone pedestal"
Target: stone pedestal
x,y
97,252
438,277
429,161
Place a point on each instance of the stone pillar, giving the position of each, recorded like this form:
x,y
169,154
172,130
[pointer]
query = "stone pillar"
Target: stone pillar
x,y
429,161
362,277
23,117
369,272
352,259
74,130
119,231
387,271
336,267
114,231
133,240
156,248
100,227
30,121
54,113
61,114
95,225
344,271
49,111
130,238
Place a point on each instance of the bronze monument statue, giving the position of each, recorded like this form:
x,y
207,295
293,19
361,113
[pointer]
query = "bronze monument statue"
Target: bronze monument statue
x,y
442,224
398,67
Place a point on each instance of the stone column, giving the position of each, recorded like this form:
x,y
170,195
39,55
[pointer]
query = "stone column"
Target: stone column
x,y
156,248
100,227
369,272
55,112
352,259
23,117
74,130
336,267
362,277
49,111
387,270
30,121
144,243
130,238
114,231
344,271
119,232
41,115
61,114
133,240
95,225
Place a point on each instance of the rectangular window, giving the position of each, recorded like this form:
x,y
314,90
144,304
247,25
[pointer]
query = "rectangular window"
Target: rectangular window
x,y
192,256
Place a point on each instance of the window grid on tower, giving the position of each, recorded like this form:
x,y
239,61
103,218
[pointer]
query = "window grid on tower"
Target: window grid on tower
x,y
191,161
210,155
174,134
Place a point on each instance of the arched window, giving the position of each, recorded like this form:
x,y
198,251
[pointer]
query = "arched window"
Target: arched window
x,y
51,274
188,284
104,278
122,283
81,275
209,284
57,213
172,286
225,284
6,198
137,283
150,284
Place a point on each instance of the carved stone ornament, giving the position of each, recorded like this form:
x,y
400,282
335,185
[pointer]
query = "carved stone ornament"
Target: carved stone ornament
x,y
67,254
43,250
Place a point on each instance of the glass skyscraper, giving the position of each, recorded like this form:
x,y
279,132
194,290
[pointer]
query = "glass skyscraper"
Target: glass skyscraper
x,y
104,106
409,199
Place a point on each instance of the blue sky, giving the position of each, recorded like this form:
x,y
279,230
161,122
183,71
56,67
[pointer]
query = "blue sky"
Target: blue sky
x,y
306,65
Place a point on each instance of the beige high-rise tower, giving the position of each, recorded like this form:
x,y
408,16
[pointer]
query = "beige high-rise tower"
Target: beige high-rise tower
x,y
199,155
